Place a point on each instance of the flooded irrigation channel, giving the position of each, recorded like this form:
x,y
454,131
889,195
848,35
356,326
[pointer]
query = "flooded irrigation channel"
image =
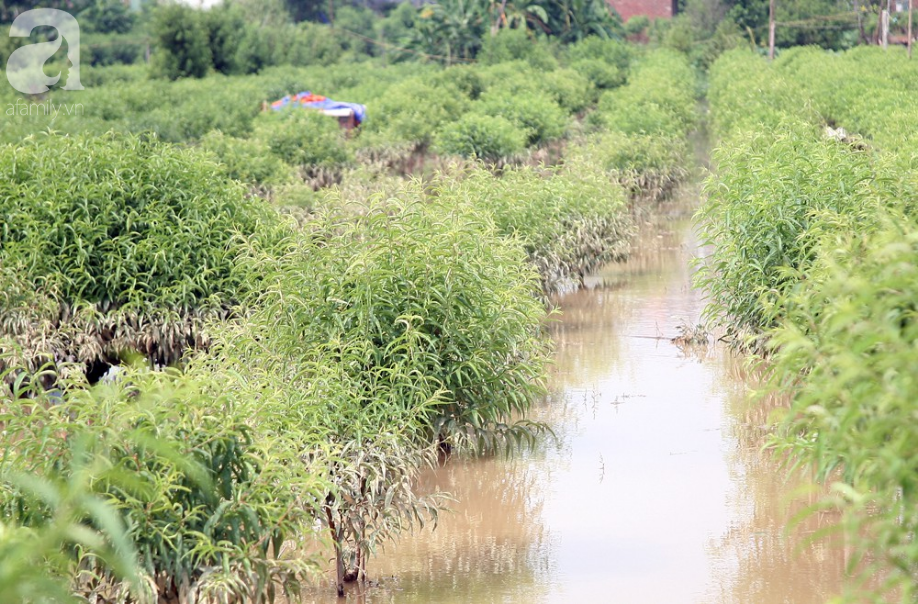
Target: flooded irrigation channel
x,y
656,489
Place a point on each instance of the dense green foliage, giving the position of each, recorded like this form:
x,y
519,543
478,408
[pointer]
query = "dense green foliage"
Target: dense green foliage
x,y
813,239
409,327
121,221
34,565
775,196
423,285
853,333
481,136
250,161
570,222
333,325
644,126
787,176
302,138
196,489
413,110
116,243
183,32
659,98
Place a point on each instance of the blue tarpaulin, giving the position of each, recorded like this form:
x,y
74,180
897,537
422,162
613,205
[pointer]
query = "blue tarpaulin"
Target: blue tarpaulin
x,y
320,103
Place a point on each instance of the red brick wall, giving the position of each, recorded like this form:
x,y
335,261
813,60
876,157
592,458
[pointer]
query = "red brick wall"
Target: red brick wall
x,y
650,8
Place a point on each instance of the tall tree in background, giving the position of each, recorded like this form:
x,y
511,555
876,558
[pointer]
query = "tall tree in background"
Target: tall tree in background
x,y
573,20
452,29
184,42
106,17
308,10
10,9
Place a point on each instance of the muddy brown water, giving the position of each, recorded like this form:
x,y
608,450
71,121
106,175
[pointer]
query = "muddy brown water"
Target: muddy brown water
x,y
656,490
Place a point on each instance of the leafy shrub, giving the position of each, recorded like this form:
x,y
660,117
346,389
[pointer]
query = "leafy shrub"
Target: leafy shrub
x,y
388,285
302,137
511,77
92,77
226,26
868,93
189,109
845,356
624,114
207,500
481,136
111,50
680,35
571,220
727,36
400,327
247,160
612,52
601,74
647,166
359,20
537,115
106,17
413,111
397,28
815,243
747,93
466,78
121,220
517,45
363,426
129,242
182,42
35,566
254,51
571,90
658,99
313,44
771,199
295,195
637,25
617,152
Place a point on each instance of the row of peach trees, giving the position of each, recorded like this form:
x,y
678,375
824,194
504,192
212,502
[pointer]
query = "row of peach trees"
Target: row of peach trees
x,y
281,374
811,217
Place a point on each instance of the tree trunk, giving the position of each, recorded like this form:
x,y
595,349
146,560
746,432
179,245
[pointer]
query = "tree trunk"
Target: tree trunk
x,y
339,552
860,22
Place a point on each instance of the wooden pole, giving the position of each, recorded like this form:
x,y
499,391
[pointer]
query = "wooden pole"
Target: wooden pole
x,y
884,29
771,29
884,19
910,29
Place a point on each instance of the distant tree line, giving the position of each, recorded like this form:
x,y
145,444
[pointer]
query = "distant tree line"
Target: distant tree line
x,y
246,36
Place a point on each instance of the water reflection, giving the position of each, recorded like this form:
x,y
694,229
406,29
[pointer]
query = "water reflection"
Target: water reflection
x,y
758,559
656,490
